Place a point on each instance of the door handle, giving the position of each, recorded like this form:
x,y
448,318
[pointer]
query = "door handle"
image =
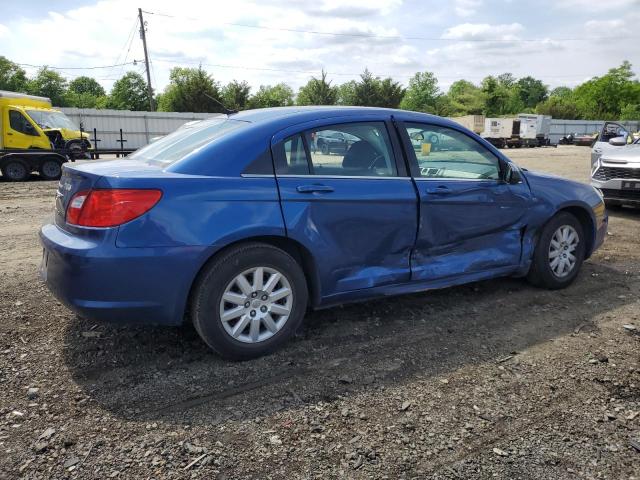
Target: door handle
x,y
439,190
314,188
9,133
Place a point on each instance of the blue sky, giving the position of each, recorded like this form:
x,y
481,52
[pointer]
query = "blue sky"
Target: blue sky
x,y
562,42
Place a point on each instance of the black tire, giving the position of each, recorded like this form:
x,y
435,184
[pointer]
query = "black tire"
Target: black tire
x,y
541,273
219,273
324,148
50,170
16,170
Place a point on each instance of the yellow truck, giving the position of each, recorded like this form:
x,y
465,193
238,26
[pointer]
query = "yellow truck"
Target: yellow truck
x,y
36,137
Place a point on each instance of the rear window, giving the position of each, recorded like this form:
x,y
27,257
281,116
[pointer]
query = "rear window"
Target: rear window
x,y
186,139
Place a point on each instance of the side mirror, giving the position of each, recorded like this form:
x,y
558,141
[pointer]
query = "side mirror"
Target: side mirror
x,y
618,141
28,128
417,136
511,174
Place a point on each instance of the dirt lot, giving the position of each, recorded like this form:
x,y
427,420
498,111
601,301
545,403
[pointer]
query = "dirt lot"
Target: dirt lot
x,y
491,380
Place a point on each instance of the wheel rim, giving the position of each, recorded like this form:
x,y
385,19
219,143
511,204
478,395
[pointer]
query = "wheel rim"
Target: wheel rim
x,y
16,171
562,258
256,304
51,169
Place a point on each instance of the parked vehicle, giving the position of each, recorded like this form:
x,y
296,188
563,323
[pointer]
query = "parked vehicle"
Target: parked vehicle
x,y
36,137
334,142
535,129
615,172
235,224
498,130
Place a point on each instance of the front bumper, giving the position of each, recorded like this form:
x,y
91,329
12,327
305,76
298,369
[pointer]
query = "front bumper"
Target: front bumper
x,y
613,192
102,282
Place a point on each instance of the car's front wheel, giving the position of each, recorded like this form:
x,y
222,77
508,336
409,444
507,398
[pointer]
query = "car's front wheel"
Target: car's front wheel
x,y
559,254
249,300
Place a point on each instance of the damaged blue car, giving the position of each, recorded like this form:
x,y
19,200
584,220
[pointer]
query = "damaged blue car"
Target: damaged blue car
x,y
242,222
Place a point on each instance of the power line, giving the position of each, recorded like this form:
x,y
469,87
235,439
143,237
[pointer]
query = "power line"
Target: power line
x,y
348,74
76,68
401,37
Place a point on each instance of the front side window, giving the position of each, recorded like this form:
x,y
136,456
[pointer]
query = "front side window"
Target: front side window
x,y
19,123
443,152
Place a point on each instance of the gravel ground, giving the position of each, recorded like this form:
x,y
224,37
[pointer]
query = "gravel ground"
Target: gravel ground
x,y
491,380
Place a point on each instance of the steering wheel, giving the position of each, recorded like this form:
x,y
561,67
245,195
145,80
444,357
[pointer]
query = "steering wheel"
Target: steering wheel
x,y
372,165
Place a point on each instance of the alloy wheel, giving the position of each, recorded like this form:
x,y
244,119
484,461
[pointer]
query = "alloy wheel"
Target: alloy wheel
x,y
256,304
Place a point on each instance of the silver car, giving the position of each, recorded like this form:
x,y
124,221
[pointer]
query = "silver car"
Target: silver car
x,y
615,166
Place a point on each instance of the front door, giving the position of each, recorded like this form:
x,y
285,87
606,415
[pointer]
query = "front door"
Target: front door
x,y
609,130
20,132
470,220
354,208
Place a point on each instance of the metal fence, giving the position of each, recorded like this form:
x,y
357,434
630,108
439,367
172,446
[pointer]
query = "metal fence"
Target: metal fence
x,y
560,128
138,128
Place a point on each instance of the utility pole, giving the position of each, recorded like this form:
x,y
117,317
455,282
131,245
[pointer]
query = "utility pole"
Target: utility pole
x,y
143,36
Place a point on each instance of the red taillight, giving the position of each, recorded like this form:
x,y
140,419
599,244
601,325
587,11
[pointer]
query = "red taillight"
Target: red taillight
x,y
109,208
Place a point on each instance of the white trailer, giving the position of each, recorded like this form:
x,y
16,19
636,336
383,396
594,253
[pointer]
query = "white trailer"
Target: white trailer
x,y
498,131
542,126
475,123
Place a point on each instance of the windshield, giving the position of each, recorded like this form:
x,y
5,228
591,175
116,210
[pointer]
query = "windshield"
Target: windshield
x,y
186,140
50,119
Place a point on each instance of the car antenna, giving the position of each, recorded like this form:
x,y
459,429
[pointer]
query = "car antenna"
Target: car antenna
x,y
225,110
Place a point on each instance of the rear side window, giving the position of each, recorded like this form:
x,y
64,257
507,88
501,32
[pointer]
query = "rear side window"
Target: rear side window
x,y
19,123
360,149
186,140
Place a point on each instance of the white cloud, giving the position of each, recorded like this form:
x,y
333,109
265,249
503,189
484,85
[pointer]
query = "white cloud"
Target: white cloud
x,y
482,31
466,8
4,31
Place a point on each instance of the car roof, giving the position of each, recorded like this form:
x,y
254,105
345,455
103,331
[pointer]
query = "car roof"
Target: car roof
x,y
299,114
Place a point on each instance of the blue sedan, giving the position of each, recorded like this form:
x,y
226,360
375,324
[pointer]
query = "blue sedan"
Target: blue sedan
x,y
239,223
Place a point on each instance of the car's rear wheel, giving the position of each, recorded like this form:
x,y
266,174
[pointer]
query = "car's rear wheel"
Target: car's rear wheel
x,y
559,254
324,148
249,300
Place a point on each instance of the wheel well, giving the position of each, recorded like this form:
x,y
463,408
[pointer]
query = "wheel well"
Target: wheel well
x,y
587,225
293,248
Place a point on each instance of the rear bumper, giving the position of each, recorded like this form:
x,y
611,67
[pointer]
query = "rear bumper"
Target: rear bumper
x,y
102,282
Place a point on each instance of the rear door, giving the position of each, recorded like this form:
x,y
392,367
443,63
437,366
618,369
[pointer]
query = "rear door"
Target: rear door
x,y
356,210
470,220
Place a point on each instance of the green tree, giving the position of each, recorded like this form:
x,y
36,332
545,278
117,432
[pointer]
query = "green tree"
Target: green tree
x,y
279,95
48,83
88,85
347,93
367,91
422,94
129,93
318,91
559,107
531,91
630,112
191,90
561,92
465,98
603,98
235,95
391,93
12,76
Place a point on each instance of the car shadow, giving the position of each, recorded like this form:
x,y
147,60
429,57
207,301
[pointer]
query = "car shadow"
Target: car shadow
x,y
169,375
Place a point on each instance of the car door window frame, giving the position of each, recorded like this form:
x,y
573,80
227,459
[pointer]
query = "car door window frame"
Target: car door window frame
x,y
412,158
395,151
